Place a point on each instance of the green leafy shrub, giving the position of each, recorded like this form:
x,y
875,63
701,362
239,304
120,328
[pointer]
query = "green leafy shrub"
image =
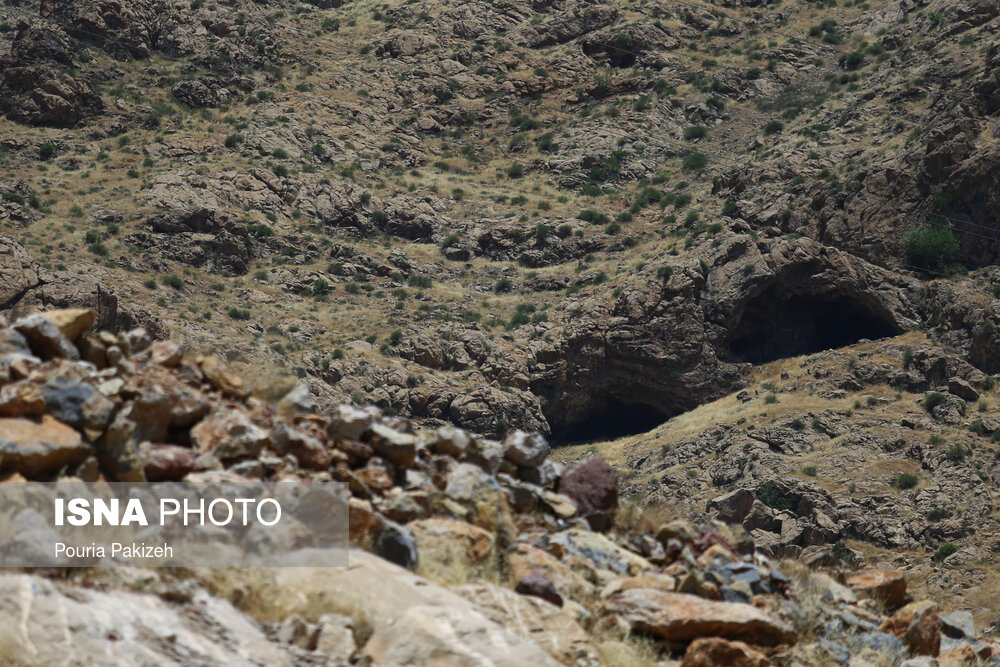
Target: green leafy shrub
x,y
932,247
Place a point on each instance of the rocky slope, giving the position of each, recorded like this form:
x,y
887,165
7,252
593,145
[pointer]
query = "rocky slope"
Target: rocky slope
x,y
667,231
385,199
467,551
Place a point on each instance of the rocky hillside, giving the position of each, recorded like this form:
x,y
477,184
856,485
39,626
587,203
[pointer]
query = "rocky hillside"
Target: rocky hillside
x,y
467,550
506,216
744,251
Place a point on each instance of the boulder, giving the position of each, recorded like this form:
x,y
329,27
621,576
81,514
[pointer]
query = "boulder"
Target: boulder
x,y
592,485
886,586
40,448
683,617
918,625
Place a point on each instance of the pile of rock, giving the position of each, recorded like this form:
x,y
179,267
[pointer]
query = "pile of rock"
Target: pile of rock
x,y
448,503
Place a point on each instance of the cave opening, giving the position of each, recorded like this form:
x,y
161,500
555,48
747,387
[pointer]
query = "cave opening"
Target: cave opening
x,y
610,420
776,326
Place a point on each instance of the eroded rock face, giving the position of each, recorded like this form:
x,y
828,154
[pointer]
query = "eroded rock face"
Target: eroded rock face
x,y
672,344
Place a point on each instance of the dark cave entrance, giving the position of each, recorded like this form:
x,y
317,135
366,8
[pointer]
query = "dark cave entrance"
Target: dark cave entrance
x,y
611,420
777,326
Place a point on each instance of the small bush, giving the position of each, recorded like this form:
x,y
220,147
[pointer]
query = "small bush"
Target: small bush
x,y
956,453
905,480
944,551
238,314
173,280
593,217
515,170
810,471
774,127
695,132
771,495
932,399
694,162
770,399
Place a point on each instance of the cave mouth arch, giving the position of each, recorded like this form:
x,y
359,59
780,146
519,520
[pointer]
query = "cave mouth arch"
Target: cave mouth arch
x,y
610,420
778,326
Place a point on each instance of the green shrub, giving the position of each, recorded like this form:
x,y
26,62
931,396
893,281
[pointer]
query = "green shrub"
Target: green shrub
x,y
932,248
694,162
770,399
173,280
852,61
593,217
515,170
944,551
47,150
932,399
238,314
810,471
956,453
905,480
771,495
773,127
695,132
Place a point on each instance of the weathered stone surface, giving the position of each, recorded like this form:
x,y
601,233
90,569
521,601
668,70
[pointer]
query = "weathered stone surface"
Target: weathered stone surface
x,y
400,448
682,617
45,338
554,629
718,652
449,543
229,435
918,625
40,448
886,586
524,449
72,322
59,626
413,621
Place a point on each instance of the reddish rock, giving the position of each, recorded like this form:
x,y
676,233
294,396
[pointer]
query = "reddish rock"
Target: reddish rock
x,y
592,485
918,624
886,586
229,434
718,652
683,617
375,477
167,463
